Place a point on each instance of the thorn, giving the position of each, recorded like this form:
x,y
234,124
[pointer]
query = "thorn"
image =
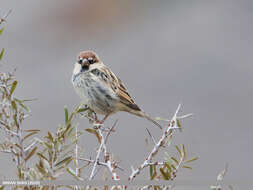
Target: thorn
x,y
153,139
185,116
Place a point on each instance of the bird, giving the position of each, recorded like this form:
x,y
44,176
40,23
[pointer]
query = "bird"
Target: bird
x,y
101,90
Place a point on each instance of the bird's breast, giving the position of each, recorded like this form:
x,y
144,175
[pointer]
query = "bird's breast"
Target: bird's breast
x,y
95,93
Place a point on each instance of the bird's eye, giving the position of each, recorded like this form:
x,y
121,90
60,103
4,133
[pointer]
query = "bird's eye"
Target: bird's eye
x,y
91,60
80,61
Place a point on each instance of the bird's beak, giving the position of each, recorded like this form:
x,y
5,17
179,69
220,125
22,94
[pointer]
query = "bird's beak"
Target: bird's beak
x,y
85,63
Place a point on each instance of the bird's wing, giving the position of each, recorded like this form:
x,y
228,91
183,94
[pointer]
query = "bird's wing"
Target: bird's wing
x,y
113,82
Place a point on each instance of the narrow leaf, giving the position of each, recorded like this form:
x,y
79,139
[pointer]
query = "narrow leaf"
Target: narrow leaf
x,y
1,31
42,156
17,145
50,136
154,173
41,169
184,151
14,105
2,54
64,161
66,114
151,171
31,130
179,151
45,188
20,102
13,87
164,174
71,172
31,153
174,159
28,135
156,187
168,166
173,166
47,145
82,110
179,125
93,131
191,160
188,167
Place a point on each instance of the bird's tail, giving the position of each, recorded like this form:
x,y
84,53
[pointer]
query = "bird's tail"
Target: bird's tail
x,y
153,121
134,109
143,114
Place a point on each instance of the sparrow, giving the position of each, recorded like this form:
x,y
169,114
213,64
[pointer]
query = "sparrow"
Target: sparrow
x,y
101,90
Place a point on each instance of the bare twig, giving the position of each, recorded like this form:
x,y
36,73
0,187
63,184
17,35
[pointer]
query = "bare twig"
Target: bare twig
x,y
107,158
3,19
31,145
97,156
7,130
151,136
100,163
166,134
76,154
110,130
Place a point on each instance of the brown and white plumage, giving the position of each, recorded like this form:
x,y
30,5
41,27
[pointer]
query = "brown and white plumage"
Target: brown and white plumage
x,y
101,89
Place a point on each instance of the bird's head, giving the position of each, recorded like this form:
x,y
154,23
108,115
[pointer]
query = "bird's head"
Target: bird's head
x,y
86,60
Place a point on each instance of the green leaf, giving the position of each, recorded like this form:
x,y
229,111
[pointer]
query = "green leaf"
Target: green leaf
x,y
31,130
1,31
72,172
191,160
14,105
42,156
214,187
50,136
28,135
167,165
151,171
184,151
31,153
64,161
174,159
173,166
188,167
179,125
13,87
1,53
179,151
20,102
66,114
154,173
17,145
47,145
93,131
156,187
45,188
82,110
41,169
2,187
165,175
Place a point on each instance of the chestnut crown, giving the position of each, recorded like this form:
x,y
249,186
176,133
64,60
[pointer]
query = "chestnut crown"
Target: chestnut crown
x,y
85,58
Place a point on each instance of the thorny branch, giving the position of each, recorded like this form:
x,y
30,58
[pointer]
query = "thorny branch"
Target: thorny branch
x,y
3,19
166,134
107,158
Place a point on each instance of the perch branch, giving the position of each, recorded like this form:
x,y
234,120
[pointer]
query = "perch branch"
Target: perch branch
x,y
102,148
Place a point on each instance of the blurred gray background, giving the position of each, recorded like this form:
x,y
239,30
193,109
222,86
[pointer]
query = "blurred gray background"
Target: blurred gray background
x,y
198,53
